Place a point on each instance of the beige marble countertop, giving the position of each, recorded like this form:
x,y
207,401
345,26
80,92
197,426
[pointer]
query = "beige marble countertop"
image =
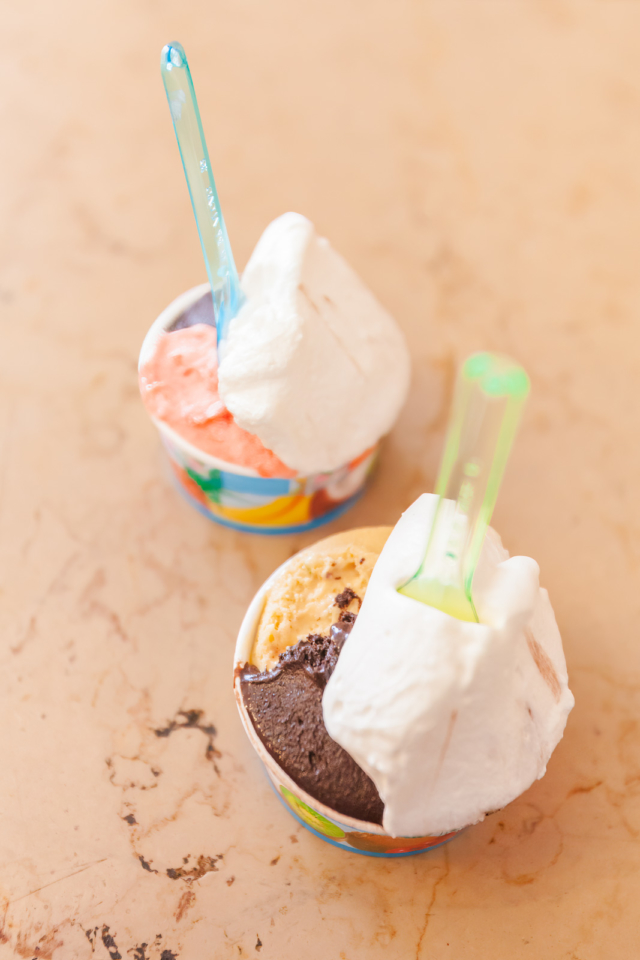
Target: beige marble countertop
x,y
478,161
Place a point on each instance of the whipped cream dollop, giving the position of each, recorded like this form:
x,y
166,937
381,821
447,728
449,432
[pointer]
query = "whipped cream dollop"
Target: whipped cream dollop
x,y
312,364
451,720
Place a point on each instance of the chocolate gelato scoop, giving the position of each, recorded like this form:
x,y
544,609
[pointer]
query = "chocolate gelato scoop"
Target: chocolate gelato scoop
x,y
285,706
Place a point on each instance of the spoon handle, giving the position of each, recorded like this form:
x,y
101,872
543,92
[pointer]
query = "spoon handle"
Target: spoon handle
x,y
490,393
218,258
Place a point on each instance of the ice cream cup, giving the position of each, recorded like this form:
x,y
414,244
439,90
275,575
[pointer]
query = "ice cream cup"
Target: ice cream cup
x,y
237,496
356,836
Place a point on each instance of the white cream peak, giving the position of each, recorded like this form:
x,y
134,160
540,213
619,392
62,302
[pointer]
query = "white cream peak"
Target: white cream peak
x,y
312,364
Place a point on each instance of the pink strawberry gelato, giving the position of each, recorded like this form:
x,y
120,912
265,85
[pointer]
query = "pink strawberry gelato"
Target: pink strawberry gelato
x,y
179,385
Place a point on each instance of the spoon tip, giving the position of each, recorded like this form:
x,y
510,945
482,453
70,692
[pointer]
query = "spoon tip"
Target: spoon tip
x,y
172,55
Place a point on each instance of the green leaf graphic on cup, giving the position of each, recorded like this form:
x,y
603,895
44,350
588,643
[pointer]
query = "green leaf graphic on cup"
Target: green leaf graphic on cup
x,y
313,819
210,486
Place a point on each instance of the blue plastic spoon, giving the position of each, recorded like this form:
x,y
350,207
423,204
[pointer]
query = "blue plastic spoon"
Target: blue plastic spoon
x,y
216,249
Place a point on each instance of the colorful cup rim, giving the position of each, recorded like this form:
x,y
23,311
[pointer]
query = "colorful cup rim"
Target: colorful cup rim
x,y
244,645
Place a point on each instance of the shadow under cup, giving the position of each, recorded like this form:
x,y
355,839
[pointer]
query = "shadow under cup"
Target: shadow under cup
x,y
357,836
237,496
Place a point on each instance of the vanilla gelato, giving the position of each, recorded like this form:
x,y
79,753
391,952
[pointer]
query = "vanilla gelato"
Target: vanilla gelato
x,y
312,364
451,720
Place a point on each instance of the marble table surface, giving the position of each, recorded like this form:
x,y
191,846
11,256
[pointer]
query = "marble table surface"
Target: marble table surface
x,y
479,164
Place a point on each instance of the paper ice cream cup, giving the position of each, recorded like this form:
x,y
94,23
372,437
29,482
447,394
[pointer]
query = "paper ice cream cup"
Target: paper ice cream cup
x,y
237,496
356,836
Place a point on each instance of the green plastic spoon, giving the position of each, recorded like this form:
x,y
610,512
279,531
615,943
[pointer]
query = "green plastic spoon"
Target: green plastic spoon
x,y
490,392
216,249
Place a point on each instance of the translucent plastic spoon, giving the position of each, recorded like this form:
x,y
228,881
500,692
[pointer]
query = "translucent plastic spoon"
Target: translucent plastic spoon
x,y
489,396
218,258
